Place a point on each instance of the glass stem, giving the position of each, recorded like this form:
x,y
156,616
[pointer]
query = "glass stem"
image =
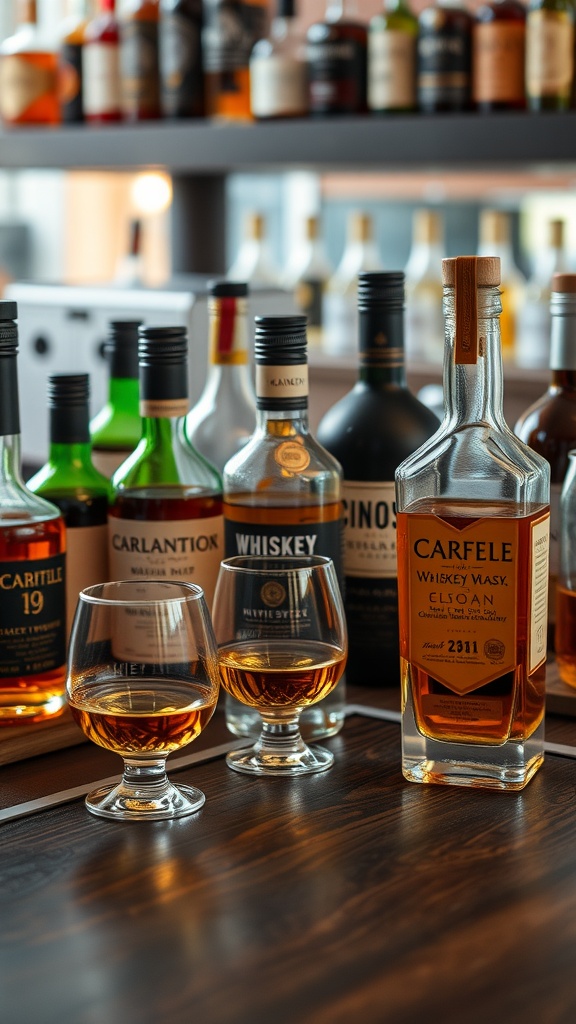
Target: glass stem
x,y
141,774
280,734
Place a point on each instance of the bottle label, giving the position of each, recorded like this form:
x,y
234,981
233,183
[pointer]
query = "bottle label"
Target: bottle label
x,y
285,540
369,529
282,381
70,82
230,31
164,408
278,87
228,343
188,551
181,60
22,83
32,616
549,52
462,597
292,455
391,70
86,563
337,75
444,67
139,66
101,62
498,62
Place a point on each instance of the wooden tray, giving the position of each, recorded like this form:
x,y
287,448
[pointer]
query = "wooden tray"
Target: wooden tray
x,y
18,742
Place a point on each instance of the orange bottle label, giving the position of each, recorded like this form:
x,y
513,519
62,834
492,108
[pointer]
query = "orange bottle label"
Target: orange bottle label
x,y
498,62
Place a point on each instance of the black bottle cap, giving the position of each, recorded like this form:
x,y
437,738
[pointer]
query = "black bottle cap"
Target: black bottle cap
x,y
68,389
68,395
8,328
227,289
163,357
382,288
280,340
121,347
9,409
286,8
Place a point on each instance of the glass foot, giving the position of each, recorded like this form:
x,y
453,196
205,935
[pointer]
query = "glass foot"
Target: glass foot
x,y
302,761
151,803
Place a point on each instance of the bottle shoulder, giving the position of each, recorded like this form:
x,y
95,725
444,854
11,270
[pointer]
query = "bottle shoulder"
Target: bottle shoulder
x,y
167,461
52,480
272,467
553,416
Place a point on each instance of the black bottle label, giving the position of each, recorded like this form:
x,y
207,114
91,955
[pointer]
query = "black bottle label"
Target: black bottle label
x,y
444,67
337,76
283,541
181,72
32,616
70,83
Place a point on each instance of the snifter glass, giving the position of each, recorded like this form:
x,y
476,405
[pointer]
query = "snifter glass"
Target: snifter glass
x,y
282,646
143,682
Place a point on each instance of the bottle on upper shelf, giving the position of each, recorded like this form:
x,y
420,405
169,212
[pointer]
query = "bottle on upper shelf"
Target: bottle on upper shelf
x,y
392,37
28,72
32,566
549,54
307,277
139,64
340,303
495,239
117,428
424,318
225,414
278,69
71,482
282,491
337,61
71,44
549,425
231,29
180,49
444,62
498,49
101,66
254,264
370,431
533,322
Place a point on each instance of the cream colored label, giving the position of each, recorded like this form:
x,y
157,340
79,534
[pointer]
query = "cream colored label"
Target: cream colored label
x,y
293,456
549,52
282,381
101,78
21,84
391,70
86,563
278,85
539,592
369,529
498,62
189,550
164,408
107,462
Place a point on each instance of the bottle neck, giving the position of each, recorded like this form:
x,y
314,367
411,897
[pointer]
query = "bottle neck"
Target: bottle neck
x,y
123,393
563,339
381,346
282,422
72,455
473,391
228,331
10,462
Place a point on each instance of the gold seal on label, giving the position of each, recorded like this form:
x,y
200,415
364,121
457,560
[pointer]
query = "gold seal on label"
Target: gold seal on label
x,y
273,594
293,456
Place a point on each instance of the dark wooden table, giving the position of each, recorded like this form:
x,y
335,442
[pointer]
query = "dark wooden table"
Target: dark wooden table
x,y
347,896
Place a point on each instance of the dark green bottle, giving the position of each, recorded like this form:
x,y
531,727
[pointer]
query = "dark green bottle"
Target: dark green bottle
x,y
549,54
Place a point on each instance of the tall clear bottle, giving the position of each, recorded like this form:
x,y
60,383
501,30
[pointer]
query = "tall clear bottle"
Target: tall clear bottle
x,y
117,428
473,529
166,518
253,263
307,276
32,567
370,431
225,415
340,300
495,239
533,321
424,322
282,491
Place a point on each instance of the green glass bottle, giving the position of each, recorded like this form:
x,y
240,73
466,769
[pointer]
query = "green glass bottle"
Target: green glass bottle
x,y
117,428
392,37
71,482
549,54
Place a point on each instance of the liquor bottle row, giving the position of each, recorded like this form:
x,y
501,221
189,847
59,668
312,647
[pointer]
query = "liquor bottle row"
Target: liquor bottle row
x,y
328,295
188,58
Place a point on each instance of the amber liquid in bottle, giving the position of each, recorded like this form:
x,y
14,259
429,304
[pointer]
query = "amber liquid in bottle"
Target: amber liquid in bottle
x,y
270,674
226,60
165,504
566,634
498,45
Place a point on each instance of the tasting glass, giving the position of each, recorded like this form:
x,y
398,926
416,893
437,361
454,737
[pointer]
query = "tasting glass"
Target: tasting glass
x,y
142,681
282,645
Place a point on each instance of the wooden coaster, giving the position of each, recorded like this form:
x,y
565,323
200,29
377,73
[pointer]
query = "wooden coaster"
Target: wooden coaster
x,y
18,742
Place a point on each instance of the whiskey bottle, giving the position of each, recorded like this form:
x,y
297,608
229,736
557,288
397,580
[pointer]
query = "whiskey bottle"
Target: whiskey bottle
x,y
472,534
549,54
495,239
498,49
282,491
32,567
370,431
165,521
231,29
307,278
278,69
340,300
181,71
28,72
253,263
549,426
533,320
337,62
139,63
392,39
72,32
225,415
101,66
424,322
444,58
70,481
117,428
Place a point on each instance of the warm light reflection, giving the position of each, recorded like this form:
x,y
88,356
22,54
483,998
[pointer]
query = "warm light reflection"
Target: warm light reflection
x,y
151,192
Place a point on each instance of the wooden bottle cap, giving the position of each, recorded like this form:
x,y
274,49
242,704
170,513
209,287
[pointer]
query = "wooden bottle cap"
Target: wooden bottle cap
x,y
564,283
487,270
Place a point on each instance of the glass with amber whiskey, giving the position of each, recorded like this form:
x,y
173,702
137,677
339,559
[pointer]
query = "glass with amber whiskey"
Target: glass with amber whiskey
x,y
282,646
473,536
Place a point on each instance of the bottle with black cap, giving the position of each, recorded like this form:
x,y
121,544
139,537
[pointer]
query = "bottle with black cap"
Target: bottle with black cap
x,y
282,491
166,518
32,566
71,482
225,415
371,430
117,427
